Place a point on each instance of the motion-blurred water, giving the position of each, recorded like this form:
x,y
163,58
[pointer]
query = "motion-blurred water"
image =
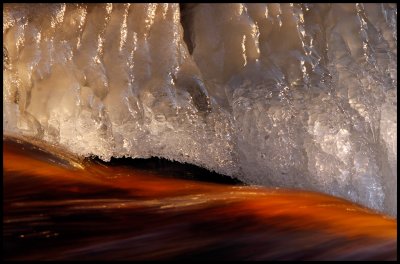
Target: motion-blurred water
x,y
59,208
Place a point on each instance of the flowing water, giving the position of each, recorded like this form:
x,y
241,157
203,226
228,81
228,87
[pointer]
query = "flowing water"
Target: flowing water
x,y
58,208
297,98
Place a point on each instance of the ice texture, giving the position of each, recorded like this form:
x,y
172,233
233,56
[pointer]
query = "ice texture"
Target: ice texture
x,y
289,95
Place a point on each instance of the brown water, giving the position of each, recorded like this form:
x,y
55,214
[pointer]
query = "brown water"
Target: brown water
x,y
59,208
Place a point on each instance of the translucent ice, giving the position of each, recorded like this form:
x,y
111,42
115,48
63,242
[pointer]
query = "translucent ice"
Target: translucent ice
x,y
292,95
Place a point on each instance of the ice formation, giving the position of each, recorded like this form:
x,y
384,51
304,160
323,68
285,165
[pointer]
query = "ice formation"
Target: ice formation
x,y
290,95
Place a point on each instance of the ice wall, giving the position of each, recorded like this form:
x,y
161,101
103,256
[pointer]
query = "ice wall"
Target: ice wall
x,y
291,95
